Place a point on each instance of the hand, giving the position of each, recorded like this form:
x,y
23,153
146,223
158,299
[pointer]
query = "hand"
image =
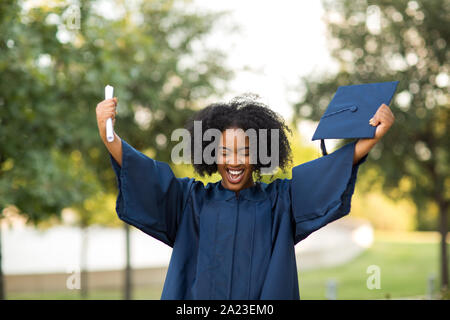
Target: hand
x,y
106,109
383,120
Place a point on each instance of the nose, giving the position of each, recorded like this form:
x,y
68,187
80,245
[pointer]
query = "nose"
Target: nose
x,y
234,159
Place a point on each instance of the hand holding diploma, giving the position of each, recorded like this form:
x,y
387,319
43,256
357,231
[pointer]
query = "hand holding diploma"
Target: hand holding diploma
x,y
106,113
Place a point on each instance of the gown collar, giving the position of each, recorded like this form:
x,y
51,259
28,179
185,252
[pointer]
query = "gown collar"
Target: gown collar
x,y
253,193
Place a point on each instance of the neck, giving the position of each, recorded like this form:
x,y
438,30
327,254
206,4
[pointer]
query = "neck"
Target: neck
x,y
249,184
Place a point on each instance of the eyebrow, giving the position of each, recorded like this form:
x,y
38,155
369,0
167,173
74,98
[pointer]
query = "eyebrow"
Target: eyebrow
x,y
246,148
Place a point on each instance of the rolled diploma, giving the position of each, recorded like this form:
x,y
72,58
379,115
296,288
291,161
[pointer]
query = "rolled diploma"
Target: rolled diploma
x,y
109,90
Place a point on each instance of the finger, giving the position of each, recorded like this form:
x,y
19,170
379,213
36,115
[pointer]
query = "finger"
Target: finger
x,y
383,107
382,119
385,119
383,115
385,110
374,121
390,113
107,102
387,115
382,110
110,104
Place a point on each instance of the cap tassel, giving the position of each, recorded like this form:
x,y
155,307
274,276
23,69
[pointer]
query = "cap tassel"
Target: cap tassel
x,y
322,146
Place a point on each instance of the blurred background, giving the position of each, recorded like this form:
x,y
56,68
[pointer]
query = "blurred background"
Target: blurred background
x,y
60,237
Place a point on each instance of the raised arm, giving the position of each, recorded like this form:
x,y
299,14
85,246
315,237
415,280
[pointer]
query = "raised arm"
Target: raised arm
x,y
107,109
150,197
362,147
115,148
383,120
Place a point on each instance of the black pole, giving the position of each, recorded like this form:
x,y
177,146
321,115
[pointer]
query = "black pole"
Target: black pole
x,y
83,262
128,281
444,254
322,146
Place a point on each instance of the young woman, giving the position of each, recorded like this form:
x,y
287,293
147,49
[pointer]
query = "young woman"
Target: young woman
x,y
234,239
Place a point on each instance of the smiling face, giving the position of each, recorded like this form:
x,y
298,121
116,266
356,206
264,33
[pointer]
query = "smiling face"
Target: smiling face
x,y
233,160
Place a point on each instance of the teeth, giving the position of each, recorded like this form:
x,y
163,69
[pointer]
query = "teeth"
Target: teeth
x,y
235,172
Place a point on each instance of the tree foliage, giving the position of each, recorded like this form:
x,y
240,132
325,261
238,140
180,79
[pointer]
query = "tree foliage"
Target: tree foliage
x,y
53,75
405,40
375,41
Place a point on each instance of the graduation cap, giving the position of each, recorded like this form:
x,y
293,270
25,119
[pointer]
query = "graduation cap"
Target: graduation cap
x,y
349,112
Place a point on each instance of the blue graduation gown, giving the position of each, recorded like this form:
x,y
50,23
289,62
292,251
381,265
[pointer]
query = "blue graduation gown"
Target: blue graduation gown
x,y
228,247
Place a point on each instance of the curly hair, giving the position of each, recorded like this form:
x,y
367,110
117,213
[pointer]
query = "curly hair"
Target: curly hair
x,y
245,112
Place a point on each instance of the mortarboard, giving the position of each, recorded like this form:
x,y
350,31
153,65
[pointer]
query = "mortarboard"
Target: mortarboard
x,y
349,112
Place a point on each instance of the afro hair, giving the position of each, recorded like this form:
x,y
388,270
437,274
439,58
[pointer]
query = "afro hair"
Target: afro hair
x,y
245,112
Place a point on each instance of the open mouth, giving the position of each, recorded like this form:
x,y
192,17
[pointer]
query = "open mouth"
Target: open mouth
x,y
235,175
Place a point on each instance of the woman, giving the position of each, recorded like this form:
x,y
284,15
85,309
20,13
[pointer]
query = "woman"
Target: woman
x,y
234,239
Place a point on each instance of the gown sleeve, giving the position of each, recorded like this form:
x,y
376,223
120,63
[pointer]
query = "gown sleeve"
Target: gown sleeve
x,y
150,197
321,190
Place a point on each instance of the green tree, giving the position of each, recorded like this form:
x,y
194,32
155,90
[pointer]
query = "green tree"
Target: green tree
x,y
375,41
34,174
53,72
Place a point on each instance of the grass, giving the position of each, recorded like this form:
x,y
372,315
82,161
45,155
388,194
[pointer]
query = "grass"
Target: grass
x,y
405,265
148,293
405,262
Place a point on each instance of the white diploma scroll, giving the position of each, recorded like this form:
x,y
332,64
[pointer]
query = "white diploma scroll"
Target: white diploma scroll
x,y
109,91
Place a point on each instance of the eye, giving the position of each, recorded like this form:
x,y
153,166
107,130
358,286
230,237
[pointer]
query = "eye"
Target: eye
x,y
244,153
